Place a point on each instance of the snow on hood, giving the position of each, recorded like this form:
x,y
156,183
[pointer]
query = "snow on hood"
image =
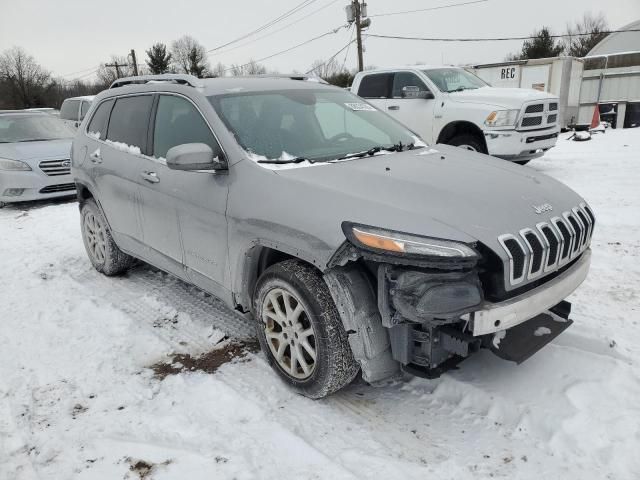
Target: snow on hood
x,y
36,151
512,98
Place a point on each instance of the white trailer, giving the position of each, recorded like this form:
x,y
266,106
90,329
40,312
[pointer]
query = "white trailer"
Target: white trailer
x,y
560,76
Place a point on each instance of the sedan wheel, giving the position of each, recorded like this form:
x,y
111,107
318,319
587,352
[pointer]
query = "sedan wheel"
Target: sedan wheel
x,y
94,236
289,333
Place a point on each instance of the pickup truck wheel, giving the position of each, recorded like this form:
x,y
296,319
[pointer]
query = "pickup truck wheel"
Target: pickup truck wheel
x,y
468,142
103,252
300,330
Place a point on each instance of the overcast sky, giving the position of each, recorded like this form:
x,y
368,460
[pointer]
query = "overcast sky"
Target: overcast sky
x,y
68,36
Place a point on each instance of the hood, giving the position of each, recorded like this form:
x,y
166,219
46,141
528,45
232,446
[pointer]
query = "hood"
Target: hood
x,y
443,192
36,151
512,98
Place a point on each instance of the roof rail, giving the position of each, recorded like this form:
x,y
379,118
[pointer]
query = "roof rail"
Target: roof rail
x,y
291,76
181,79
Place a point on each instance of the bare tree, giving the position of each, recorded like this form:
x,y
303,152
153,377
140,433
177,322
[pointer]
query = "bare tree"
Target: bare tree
x,y
219,70
251,68
23,79
325,69
581,45
189,56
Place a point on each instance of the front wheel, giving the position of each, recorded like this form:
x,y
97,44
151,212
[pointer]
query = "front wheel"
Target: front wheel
x,y
102,250
300,330
468,142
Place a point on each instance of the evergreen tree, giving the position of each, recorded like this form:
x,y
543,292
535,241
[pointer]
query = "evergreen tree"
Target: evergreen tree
x,y
197,63
158,59
542,45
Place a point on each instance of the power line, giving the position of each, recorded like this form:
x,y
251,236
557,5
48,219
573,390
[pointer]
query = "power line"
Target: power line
x,y
330,32
278,30
344,62
331,57
78,71
281,17
495,39
388,14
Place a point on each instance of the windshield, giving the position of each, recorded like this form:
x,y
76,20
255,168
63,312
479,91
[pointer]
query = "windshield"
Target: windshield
x,y
316,125
454,79
29,128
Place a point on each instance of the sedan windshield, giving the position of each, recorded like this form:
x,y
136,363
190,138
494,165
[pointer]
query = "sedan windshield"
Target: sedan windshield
x,y
454,79
309,124
32,128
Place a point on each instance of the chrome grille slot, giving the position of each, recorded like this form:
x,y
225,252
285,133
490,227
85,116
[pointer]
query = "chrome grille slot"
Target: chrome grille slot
x,y
534,252
531,121
539,115
54,168
553,106
552,119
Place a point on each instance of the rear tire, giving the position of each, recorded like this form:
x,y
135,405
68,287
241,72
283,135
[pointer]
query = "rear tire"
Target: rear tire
x,y
468,142
102,250
300,330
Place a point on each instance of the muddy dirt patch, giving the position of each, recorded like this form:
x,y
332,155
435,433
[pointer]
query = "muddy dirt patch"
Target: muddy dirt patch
x,y
144,469
207,362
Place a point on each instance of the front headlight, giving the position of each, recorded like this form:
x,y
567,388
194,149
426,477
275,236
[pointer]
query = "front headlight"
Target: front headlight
x,y
502,118
6,164
387,241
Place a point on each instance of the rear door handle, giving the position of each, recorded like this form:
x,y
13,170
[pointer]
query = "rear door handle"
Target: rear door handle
x,y
151,177
393,107
96,157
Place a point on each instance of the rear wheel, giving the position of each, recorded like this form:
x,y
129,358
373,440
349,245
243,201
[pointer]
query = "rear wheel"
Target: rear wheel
x,y
103,252
300,330
468,142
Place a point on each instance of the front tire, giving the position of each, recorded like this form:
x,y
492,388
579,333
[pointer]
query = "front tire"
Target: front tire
x,y
468,142
300,330
102,250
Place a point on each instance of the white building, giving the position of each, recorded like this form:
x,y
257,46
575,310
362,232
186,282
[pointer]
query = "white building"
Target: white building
x,y
611,78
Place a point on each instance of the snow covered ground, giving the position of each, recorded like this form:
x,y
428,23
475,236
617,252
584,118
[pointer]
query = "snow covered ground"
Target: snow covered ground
x,y
78,401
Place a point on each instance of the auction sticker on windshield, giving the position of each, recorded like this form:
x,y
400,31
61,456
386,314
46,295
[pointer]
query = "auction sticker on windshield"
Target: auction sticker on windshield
x,y
361,107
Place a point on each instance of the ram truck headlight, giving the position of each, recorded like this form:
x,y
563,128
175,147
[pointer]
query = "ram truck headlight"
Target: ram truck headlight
x,y
6,164
387,241
502,118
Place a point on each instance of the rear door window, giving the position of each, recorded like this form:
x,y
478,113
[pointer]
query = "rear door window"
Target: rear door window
x,y
179,122
84,108
376,85
129,121
98,125
69,110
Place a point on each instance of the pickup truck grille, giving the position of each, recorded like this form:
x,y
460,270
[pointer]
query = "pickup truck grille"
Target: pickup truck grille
x,y
538,115
534,252
54,168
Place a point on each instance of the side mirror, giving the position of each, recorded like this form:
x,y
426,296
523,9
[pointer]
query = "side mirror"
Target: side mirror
x,y
193,156
411,91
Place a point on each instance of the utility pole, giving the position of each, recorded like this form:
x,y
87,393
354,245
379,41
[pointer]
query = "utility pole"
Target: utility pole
x,y
134,62
356,12
117,67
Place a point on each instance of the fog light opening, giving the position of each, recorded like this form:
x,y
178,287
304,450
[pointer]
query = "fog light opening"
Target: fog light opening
x,y
497,323
13,192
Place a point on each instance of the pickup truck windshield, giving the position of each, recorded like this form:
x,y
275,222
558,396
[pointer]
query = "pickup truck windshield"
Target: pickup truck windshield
x,y
454,79
32,128
317,125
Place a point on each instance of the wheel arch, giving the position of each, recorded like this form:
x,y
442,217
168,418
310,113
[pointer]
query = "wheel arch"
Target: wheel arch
x,y
461,127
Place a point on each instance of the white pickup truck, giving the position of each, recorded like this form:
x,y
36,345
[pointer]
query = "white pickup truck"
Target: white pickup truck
x,y
451,105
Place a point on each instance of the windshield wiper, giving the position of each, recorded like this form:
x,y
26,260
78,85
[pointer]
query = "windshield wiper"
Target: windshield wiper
x,y
396,147
35,140
276,161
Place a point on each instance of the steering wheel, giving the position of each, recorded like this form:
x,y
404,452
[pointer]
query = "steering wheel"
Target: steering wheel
x,y
341,137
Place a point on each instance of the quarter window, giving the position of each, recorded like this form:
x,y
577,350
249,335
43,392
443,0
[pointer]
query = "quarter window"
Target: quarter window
x,y
98,124
84,108
69,110
179,122
129,121
376,85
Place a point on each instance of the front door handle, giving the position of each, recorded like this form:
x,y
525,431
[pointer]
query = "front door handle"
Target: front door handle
x,y
393,107
96,157
151,177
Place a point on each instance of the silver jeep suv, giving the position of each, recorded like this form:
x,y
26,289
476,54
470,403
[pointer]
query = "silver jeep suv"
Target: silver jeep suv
x,y
354,246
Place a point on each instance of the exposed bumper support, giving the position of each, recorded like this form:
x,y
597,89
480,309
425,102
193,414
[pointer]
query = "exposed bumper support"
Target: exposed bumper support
x,y
494,317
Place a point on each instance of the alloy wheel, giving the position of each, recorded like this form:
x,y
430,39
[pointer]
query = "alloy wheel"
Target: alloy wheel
x,y
289,333
94,235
